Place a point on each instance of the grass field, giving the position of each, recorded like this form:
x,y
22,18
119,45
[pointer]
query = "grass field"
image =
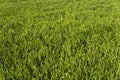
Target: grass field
x,y
59,39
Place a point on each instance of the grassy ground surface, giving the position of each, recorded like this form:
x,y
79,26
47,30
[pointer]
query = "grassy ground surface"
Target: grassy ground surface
x,y
59,40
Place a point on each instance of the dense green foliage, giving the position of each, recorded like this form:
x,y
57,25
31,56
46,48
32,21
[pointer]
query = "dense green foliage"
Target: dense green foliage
x,y
59,40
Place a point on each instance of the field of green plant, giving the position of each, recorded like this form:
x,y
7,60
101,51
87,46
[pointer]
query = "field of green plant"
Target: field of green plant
x,y
59,39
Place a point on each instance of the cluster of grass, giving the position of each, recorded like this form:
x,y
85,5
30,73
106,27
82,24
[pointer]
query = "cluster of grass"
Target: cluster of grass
x,y
59,40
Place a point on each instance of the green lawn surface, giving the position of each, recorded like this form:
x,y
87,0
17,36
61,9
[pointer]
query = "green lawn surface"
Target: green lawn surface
x,y
59,39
